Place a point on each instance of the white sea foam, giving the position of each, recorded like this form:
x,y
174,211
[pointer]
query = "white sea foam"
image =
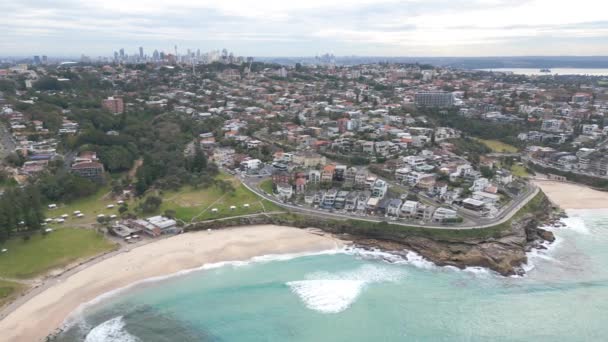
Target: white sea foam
x,y
546,253
335,292
419,261
327,296
112,330
576,224
414,259
478,271
77,317
410,258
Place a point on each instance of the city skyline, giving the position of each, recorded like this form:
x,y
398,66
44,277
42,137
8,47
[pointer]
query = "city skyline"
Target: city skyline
x,y
274,28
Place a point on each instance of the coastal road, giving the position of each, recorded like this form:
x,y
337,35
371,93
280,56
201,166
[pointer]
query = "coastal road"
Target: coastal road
x,y
471,218
252,183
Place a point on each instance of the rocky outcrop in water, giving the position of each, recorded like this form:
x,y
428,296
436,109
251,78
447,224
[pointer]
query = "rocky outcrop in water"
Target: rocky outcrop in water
x,y
505,254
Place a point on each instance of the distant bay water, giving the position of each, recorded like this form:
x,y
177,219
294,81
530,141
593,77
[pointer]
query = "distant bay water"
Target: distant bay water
x,y
354,295
553,71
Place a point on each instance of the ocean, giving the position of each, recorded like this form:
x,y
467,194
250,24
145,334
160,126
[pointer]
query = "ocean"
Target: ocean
x,y
357,295
554,71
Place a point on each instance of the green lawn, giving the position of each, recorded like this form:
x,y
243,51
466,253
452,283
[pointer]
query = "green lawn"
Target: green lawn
x,y
26,259
90,206
267,186
192,204
519,171
8,290
498,146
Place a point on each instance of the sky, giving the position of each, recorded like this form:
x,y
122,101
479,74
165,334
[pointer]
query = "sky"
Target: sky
x,y
306,28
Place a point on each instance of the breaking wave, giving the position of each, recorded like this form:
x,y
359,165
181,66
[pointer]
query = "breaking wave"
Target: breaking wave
x,y
335,292
112,330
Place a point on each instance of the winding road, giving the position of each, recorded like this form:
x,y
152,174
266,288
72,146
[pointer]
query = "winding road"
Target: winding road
x,y
506,214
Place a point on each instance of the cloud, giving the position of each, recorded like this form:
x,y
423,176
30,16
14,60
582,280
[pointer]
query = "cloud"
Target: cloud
x,y
288,28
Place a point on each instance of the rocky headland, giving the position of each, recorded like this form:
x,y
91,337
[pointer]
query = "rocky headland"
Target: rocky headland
x,y
502,248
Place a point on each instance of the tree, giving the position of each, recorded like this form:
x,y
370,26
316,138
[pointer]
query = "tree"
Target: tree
x,y
224,186
117,158
103,219
198,162
20,205
7,86
15,159
47,83
151,204
123,208
170,213
487,172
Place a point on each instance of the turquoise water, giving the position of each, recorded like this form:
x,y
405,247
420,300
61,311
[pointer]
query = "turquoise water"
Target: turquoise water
x,y
358,296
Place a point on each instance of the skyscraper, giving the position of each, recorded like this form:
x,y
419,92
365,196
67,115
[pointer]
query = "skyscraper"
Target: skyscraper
x,y
122,53
141,52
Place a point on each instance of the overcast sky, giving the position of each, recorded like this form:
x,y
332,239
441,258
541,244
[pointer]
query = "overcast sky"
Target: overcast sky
x,y
307,27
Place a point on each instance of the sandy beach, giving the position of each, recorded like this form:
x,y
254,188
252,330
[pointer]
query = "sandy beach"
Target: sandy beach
x,y
573,196
46,311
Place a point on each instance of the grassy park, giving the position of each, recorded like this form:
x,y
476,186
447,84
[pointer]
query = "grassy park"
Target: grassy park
x,y
43,252
26,258
266,185
191,205
519,171
498,146
90,206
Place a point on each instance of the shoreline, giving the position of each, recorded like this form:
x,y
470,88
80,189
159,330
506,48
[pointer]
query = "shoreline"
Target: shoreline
x,y
572,195
45,309
42,311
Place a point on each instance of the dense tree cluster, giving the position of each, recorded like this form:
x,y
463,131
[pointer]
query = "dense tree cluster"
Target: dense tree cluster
x,y
64,187
21,210
151,204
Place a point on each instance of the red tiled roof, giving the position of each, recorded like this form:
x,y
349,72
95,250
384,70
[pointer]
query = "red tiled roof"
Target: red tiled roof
x,y
87,165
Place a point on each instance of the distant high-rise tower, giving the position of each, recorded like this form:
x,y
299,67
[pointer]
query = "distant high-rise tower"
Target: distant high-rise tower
x,y
141,52
114,104
36,60
45,60
122,53
155,55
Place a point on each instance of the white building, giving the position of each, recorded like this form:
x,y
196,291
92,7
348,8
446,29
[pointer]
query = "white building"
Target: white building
x,y
409,208
443,214
251,164
284,191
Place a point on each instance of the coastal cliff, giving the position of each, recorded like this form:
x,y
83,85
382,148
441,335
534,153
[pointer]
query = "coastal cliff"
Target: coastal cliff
x,y
501,248
503,251
505,254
